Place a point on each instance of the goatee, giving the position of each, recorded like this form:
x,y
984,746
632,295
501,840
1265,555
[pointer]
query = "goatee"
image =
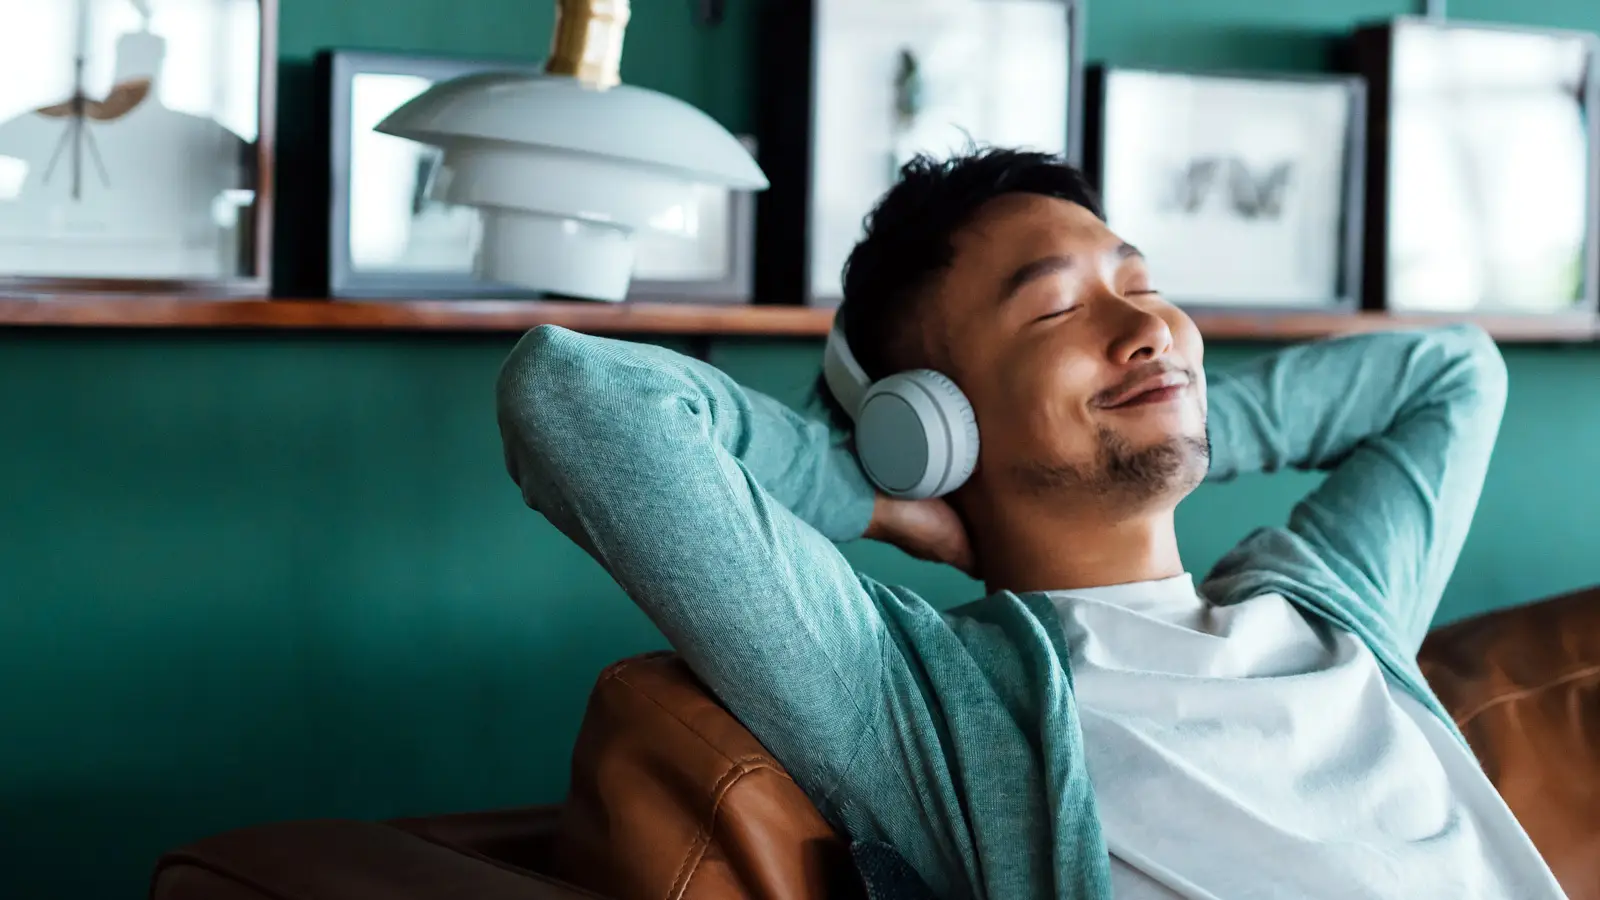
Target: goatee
x,y
1126,473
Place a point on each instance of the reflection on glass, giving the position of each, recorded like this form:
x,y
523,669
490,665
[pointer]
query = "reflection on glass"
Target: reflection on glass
x,y
125,136
396,228
1489,170
898,77
695,246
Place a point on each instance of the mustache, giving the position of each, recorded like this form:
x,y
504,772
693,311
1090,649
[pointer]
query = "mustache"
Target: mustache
x,y
1152,369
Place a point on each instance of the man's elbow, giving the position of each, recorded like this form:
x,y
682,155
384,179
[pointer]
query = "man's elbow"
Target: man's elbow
x,y
1488,367
542,373
1475,370
561,389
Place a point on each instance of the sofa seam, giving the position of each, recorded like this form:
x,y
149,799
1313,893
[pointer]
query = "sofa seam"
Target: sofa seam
x,y
224,871
618,677
697,849
738,768
477,856
1524,693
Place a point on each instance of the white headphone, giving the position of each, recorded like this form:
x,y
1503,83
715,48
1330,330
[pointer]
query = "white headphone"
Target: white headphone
x,y
915,433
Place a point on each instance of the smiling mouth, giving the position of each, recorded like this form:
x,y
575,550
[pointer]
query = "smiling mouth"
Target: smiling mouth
x,y
1162,387
1152,396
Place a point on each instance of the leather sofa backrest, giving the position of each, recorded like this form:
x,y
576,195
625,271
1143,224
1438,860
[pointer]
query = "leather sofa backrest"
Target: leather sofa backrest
x,y
1523,684
672,798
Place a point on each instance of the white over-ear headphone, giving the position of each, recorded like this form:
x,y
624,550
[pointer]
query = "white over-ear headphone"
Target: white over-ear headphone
x,y
915,432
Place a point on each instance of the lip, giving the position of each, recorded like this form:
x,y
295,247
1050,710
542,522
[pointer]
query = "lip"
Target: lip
x,y
1158,388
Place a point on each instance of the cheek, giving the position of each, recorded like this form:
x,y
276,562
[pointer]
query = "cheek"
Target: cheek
x,y
1186,340
1038,412
1192,348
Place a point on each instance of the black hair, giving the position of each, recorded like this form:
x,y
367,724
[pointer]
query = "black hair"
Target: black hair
x,y
908,244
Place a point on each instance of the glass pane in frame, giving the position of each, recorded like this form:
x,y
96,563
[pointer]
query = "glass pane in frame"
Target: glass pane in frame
x,y
1235,188
1489,170
899,77
391,238
127,138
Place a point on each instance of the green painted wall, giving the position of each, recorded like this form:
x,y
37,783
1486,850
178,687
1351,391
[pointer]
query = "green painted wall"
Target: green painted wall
x,y
255,577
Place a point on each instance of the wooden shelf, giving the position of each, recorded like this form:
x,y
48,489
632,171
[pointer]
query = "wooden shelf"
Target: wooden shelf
x,y
1267,326
416,315
701,320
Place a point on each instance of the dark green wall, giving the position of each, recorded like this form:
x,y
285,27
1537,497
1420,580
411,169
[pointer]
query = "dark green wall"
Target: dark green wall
x,y
253,577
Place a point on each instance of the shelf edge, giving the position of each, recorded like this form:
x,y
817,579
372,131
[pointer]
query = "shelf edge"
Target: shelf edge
x,y
700,320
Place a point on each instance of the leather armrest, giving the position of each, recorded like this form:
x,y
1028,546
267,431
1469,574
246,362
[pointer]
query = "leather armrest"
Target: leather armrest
x,y
1523,684
348,860
519,838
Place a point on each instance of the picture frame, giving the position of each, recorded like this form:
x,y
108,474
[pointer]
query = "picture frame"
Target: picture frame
x,y
850,88
137,145
1250,198
395,243
1484,189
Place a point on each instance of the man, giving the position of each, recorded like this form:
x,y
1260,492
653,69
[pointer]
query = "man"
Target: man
x,y
1096,725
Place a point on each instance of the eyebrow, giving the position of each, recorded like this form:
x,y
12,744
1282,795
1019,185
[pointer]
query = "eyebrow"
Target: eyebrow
x,y
1052,265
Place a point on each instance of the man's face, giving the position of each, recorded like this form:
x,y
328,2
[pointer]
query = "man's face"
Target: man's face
x,y
1081,376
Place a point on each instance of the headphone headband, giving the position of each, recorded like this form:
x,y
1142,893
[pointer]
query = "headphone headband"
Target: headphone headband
x,y
846,379
914,431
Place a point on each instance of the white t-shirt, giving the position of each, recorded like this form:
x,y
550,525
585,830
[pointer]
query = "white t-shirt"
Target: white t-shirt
x,y
1253,751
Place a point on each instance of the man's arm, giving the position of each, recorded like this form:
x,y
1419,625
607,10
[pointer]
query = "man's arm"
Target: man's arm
x,y
1404,421
713,507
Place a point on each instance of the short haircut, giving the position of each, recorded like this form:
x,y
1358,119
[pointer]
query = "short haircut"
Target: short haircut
x,y
909,243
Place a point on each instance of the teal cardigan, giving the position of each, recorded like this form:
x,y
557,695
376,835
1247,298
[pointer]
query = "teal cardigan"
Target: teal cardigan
x,y
954,737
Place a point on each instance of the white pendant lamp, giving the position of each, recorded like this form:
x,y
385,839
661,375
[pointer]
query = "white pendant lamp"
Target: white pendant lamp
x,y
568,165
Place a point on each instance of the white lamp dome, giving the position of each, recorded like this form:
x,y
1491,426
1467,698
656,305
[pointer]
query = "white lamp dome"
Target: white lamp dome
x,y
566,170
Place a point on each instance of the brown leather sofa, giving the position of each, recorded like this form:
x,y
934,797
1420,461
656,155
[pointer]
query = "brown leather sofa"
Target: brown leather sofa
x,y
672,798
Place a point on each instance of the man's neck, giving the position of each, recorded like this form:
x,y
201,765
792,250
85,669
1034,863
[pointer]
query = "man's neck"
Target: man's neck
x,y
1031,547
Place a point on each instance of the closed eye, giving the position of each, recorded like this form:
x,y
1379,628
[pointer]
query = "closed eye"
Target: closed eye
x,y
1056,314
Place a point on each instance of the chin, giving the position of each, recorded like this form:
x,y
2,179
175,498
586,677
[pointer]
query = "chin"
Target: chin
x,y
1167,434
1184,450
1156,468
1159,423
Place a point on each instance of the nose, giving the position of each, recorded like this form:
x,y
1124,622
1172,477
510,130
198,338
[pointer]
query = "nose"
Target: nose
x,y
1138,334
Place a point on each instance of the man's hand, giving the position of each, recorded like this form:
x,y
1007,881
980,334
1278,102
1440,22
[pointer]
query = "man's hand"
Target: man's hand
x,y
926,529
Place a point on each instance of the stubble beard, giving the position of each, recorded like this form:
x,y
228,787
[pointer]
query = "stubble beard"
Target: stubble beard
x,y
1126,475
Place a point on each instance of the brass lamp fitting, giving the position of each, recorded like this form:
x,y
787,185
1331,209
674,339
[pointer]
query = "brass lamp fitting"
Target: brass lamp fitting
x,y
588,41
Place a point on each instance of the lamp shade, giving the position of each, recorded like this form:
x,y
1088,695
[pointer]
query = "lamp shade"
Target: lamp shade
x,y
565,173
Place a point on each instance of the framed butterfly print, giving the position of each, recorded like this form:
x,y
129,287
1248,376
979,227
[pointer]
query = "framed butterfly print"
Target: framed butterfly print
x,y
1244,191
136,146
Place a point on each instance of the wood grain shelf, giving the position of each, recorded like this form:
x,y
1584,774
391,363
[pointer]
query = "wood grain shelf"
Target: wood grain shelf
x,y
1265,326
416,315
662,318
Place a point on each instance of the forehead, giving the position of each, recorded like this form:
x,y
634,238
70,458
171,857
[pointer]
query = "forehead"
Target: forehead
x,y
1015,229
1005,234
1008,233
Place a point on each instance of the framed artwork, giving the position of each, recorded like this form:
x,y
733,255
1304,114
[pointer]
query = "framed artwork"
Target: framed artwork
x,y
136,146
853,89
1244,191
387,238
1484,193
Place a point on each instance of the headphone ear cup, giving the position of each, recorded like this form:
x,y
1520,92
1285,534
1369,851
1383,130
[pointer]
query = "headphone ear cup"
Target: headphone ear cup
x,y
916,435
960,431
